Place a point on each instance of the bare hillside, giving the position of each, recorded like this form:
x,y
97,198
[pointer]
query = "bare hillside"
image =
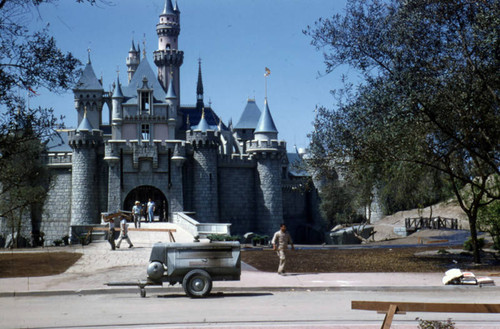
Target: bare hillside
x,y
385,227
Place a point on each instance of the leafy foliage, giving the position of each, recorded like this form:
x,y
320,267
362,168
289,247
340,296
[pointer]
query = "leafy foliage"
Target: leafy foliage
x,y
429,95
489,221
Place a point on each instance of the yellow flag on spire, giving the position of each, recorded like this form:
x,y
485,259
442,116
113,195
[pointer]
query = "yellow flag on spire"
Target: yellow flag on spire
x,y
268,71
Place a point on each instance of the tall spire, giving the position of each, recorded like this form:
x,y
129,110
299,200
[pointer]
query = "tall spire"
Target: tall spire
x,y
199,87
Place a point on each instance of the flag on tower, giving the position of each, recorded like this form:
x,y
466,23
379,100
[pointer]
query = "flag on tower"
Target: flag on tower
x,y
268,71
34,92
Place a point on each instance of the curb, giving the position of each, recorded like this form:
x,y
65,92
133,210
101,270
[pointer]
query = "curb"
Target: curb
x,y
163,290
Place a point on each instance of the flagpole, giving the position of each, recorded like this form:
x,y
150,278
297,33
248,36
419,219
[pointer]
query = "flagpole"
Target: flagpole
x,y
266,74
265,88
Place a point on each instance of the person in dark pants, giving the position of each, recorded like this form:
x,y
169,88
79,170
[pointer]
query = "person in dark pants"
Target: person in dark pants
x,y
111,233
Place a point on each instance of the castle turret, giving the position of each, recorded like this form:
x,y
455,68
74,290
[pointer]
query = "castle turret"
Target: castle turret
x,y
269,154
168,58
133,60
85,142
88,95
172,107
199,89
205,143
117,114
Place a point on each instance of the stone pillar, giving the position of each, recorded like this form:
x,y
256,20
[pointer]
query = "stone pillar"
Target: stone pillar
x,y
112,157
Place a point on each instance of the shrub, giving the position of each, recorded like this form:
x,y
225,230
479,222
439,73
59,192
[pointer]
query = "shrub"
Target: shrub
x,y
424,324
469,246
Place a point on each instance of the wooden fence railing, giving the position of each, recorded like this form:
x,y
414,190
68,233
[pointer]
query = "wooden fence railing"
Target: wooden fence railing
x,y
413,224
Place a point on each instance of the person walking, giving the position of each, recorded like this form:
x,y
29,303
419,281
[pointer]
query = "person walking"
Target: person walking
x,y
136,212
124,233
280,242
151,210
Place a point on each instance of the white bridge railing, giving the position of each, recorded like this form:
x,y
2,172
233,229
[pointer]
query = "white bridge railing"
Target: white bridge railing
x,y
195,228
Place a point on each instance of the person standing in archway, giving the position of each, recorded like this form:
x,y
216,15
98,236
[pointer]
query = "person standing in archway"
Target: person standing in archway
x,y
136,212
151,210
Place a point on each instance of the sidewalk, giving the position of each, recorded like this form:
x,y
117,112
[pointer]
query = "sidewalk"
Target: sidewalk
x,y
99,265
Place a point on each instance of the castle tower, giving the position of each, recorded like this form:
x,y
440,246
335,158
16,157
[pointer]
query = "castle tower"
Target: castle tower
x,y
117,115
205,144
85,142
199,89
133,60
269,153
168,58
88,95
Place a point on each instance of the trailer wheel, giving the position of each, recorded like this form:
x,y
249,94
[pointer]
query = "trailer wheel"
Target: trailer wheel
x,y
197,283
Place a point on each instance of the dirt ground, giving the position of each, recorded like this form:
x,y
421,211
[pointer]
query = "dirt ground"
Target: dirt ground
x,y
14,265
422,259
415,259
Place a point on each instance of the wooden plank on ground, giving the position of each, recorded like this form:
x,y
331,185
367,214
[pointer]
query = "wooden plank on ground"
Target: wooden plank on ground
x,y
425,307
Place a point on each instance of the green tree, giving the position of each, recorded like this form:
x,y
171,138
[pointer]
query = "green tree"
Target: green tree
x,y
489,221
23,174
29,60
429,94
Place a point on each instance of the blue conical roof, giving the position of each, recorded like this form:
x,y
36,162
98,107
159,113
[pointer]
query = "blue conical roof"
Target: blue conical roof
x,y
168,9
118,89
171,91
266,122
250,116
132,49
203,124
88,80
84,124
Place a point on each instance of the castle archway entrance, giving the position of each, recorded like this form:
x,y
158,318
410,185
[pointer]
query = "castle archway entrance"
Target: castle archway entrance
x,y
143,194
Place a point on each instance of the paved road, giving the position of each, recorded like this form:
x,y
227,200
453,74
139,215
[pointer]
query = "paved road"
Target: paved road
x,y
262,309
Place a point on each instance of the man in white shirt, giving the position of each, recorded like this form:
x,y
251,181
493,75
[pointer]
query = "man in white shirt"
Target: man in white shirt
x,y
280,242
124,233
136,212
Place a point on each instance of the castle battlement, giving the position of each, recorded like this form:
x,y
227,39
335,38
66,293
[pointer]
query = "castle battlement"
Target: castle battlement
x,y
60,159
265,145
128,146
203,138
171,56
84,138
235,160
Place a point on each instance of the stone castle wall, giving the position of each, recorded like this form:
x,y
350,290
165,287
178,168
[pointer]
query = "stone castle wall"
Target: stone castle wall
x,y
237,198
56,216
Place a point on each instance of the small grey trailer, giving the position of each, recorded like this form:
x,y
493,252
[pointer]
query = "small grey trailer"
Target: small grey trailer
x,y
196,265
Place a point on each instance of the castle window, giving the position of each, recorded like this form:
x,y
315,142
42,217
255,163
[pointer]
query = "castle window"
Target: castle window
x,y
145,132
145,101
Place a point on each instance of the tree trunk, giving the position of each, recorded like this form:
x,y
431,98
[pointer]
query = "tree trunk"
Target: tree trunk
x,y
473,235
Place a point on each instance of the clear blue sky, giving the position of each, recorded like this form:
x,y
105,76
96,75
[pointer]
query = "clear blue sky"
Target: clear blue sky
x,y
236,40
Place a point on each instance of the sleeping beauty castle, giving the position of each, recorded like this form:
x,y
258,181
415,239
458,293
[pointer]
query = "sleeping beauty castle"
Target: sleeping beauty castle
x,y
184,158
